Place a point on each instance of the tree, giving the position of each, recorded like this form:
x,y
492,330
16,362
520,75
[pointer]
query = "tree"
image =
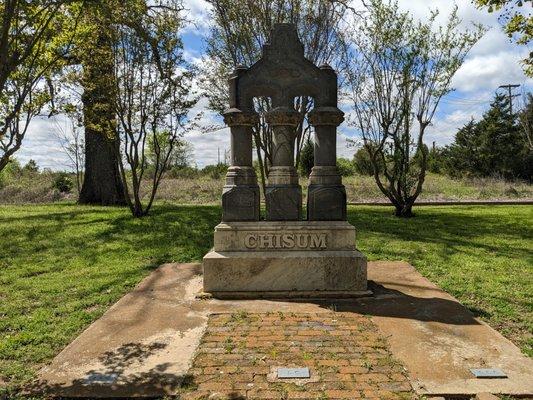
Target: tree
x,y
494,146
525,116
34,37
238,31
307,157
181,152
70,137
517,23
398,70
362,162
152,96
102,183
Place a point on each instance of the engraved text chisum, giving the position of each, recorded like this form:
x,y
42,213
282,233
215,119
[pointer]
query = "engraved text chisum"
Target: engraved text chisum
x,y
286,240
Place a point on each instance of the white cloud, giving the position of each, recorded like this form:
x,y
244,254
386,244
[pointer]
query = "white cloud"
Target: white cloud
x,y
492,62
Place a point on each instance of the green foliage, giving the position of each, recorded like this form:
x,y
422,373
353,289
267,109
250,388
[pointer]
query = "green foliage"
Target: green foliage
x,y
10,172
362,162
345,167
35,37
494,146
517,23
31,167
436,160
63,183
215,171
307,158
399,68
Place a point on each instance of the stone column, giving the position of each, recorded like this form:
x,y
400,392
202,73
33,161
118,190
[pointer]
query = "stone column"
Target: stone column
x,y
283,192
326,200
240,196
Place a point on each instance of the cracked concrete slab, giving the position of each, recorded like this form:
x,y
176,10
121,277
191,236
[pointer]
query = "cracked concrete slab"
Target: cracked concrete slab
x,y
144,344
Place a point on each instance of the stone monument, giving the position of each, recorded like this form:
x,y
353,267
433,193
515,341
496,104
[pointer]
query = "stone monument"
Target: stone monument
x,y
284,256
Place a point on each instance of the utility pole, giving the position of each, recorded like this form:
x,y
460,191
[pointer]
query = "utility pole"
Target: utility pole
x,y
511,95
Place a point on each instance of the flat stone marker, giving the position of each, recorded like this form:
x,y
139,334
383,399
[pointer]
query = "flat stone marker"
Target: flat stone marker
x,y
92,379
293,373
488,373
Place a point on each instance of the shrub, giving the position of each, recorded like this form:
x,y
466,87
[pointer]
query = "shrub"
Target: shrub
x,y
345,167
362,162
62,183
216,171
307,158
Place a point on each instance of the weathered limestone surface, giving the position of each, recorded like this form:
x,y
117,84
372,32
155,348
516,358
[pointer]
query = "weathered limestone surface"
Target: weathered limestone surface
x,y
284,256
293,236
272,274
285,259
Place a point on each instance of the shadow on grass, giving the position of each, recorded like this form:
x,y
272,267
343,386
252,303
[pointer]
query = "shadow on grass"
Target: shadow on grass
x,y
91,232
455,228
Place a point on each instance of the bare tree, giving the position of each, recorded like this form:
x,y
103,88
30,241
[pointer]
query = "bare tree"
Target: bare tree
x,y
238,31
398,70
69,134
34,37
153,97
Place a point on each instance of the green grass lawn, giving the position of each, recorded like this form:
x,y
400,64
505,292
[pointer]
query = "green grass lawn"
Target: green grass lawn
x,y
62,265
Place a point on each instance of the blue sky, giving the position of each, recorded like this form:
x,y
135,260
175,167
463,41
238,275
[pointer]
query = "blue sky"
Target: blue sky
x,y
492,62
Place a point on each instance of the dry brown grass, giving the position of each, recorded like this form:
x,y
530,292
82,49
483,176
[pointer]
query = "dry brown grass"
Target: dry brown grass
x,y
206,190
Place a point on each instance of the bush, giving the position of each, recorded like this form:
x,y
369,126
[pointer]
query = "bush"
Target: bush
x,y
216,171
345,167
362,162
10,173
62,183
307,158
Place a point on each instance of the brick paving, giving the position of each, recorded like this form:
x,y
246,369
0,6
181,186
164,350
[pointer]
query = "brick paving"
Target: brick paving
x,y
348,359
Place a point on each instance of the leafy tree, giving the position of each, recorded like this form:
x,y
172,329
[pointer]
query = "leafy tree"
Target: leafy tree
x,y
307,157
493,146
181,151
525,116
517,23
34,38
239,29
152,96
398,70
31,167
345,166
436,159
362,162
71,139
102,183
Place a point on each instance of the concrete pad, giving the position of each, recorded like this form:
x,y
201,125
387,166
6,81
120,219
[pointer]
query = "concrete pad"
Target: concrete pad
x,y
437,339
143,345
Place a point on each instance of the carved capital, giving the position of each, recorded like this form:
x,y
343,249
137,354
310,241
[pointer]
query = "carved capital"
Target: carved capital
x,y
236,117
283,116
326,116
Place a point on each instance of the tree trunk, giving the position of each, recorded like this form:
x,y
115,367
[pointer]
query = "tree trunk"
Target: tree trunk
x,y
404,210
102,183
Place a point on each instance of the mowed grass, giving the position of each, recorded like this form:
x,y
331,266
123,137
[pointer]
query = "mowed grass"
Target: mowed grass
x,y
62,265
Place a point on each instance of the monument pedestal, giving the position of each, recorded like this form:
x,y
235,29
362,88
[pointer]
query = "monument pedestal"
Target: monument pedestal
x,y
297,259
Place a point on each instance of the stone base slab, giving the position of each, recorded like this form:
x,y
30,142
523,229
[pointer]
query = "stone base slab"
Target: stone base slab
x,y
284,295
307,274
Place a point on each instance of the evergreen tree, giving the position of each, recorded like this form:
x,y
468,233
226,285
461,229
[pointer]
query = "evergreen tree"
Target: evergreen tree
x,y
307,157
494,146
